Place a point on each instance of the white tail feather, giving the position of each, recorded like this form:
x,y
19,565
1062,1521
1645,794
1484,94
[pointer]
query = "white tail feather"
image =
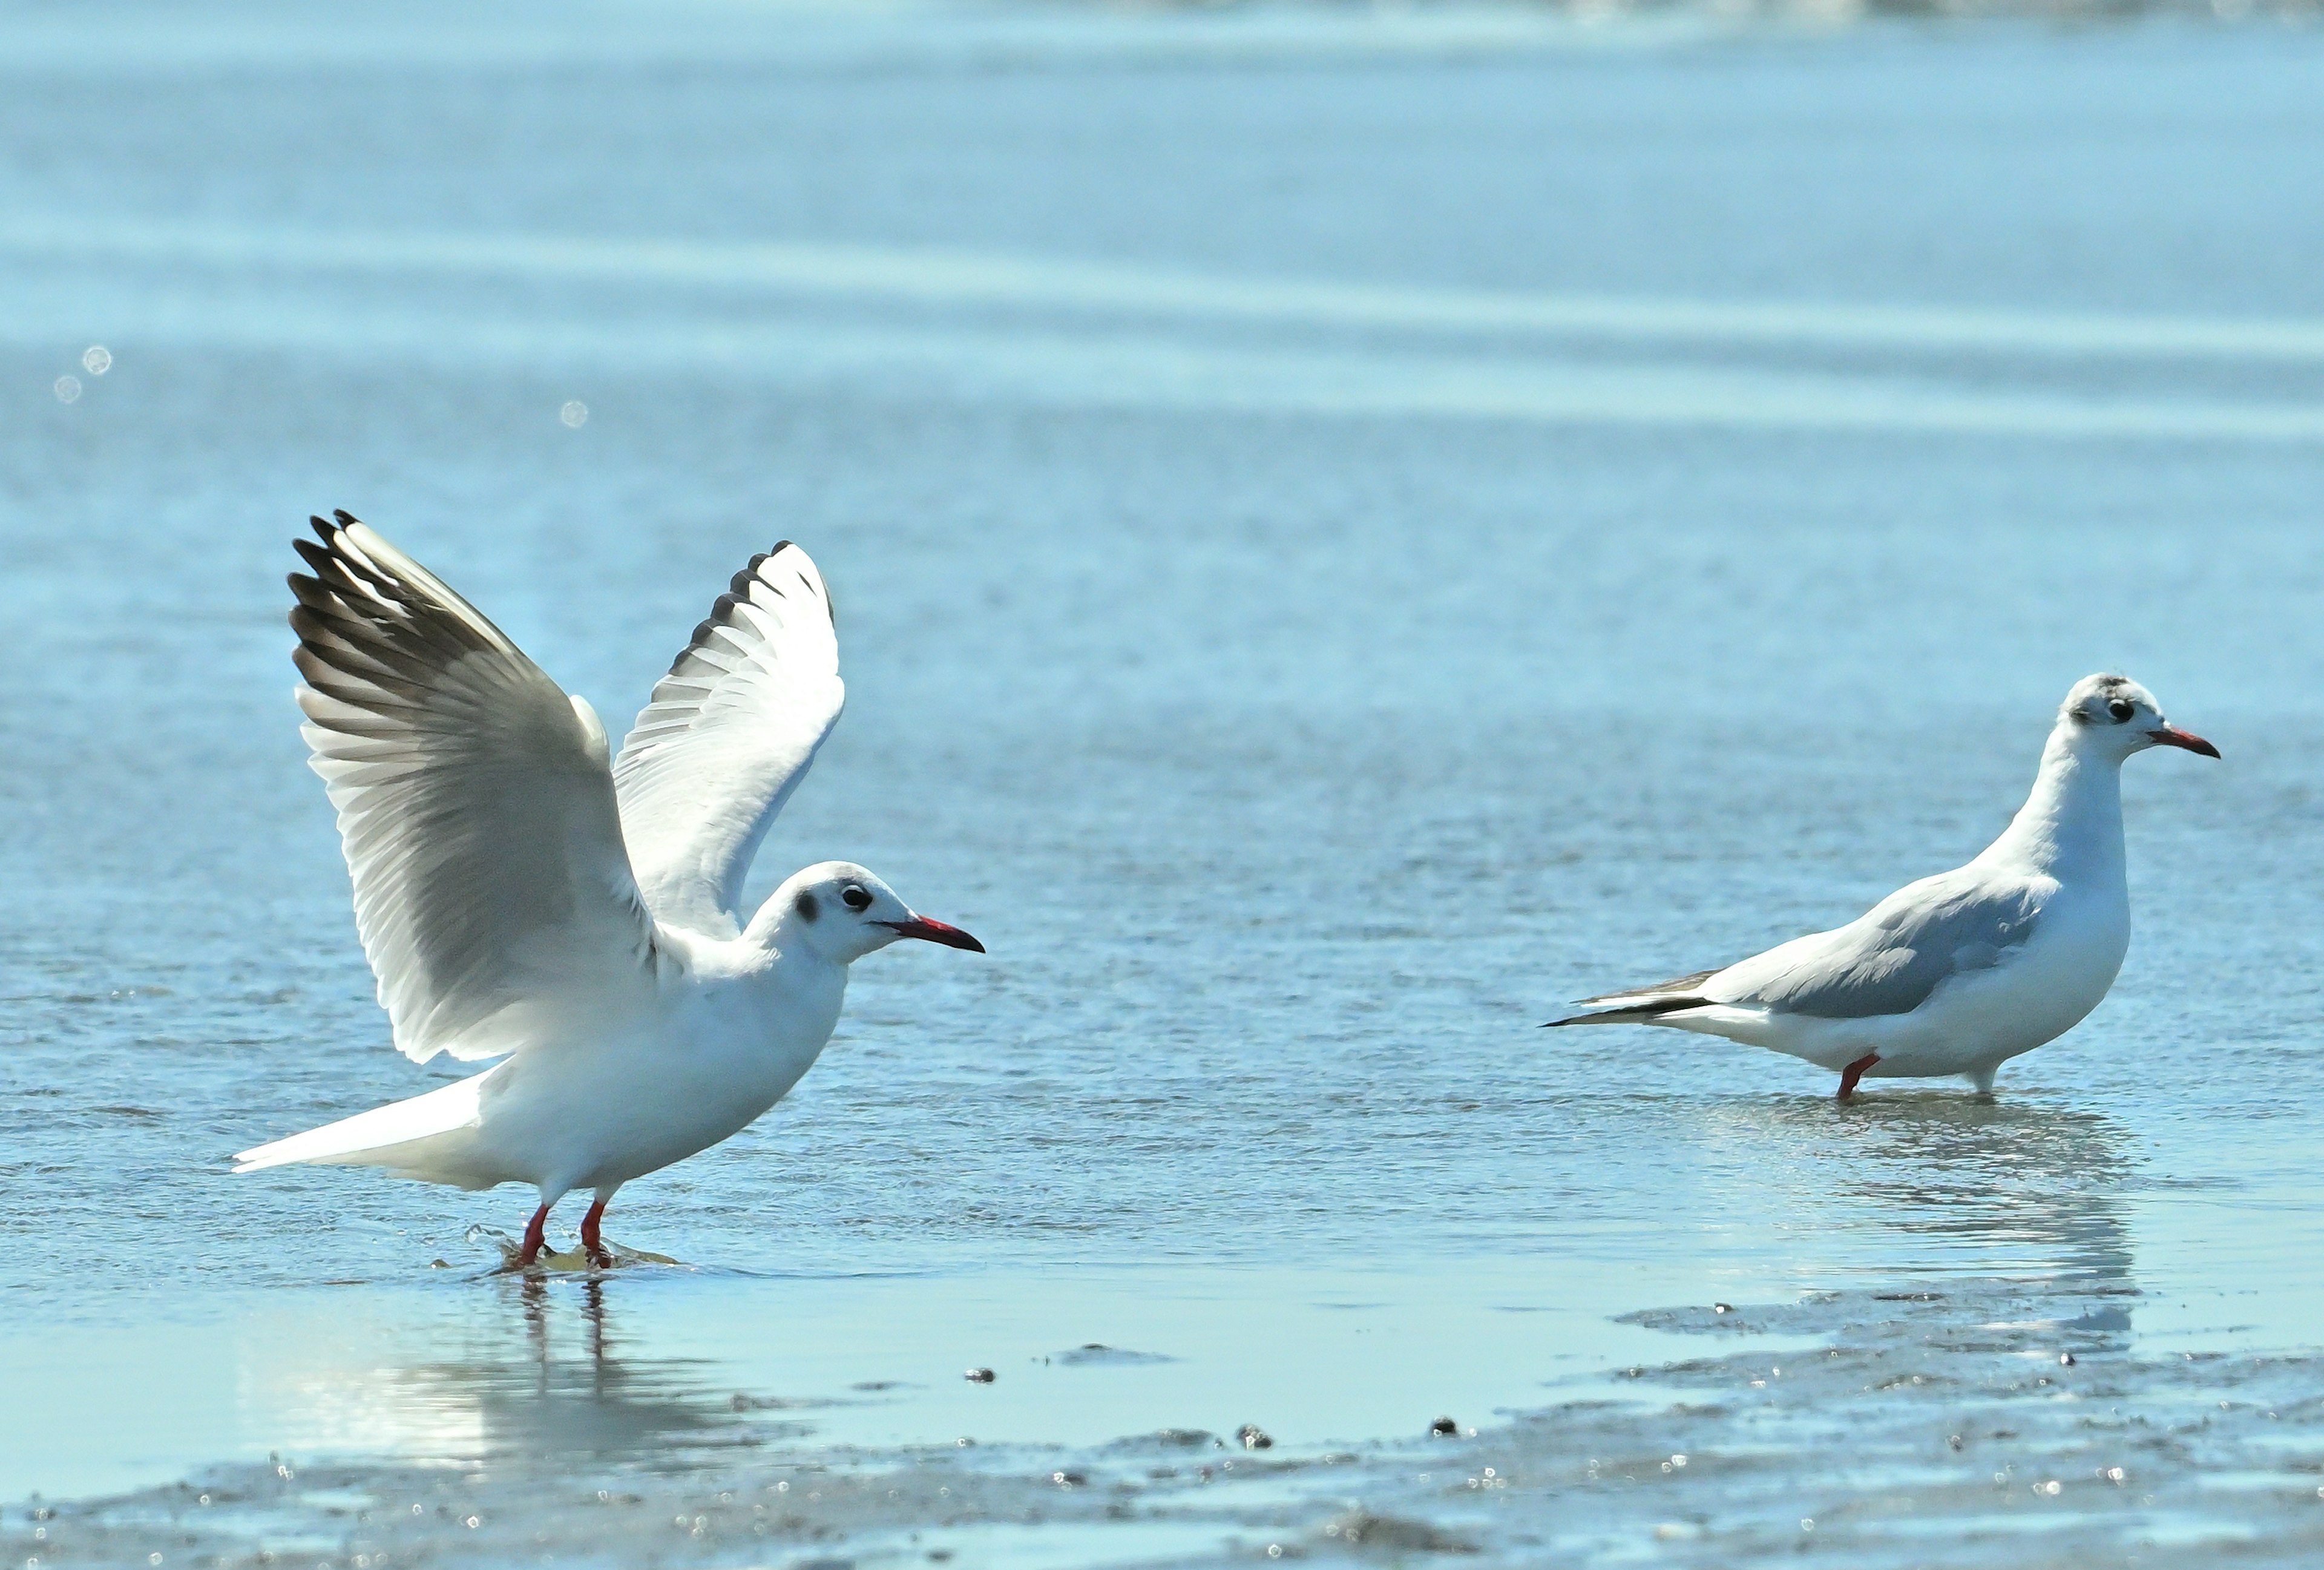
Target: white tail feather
x,y
363,1139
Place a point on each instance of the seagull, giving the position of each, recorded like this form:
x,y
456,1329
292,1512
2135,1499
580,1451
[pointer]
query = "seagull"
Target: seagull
x,y
521,896
1958,972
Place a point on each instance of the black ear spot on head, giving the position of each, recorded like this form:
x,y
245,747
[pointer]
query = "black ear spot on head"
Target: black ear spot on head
x,y
2122,709
856,897
805,905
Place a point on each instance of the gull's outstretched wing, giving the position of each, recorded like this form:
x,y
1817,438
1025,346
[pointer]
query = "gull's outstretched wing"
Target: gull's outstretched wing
x,y
475,807
728,737
1885,962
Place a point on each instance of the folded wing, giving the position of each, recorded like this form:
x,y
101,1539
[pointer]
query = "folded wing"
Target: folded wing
x,y
476,808
728,737
1889,960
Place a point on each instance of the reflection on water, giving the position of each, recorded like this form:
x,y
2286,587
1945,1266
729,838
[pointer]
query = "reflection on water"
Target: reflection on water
x,y
2045,1183
1958,1185
554,1379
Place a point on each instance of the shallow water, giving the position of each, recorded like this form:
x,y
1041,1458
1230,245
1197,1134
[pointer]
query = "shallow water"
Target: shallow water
x,y
1348,532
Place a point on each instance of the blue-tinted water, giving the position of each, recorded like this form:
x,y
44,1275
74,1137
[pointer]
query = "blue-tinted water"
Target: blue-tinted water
x,y
1348,531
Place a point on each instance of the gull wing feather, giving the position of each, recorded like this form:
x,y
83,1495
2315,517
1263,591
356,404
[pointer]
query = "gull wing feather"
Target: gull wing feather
x,y
728,736
476,808
1889,960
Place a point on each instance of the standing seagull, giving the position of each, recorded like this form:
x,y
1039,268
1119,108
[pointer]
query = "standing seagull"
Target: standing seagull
x,y
521,897
1955,973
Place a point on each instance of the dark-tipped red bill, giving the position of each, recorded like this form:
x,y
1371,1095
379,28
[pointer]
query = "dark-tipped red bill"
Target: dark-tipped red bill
x,y
2173,736
942,932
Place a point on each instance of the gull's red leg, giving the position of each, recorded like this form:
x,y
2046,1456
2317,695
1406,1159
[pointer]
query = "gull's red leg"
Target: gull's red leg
x,y
1854,1072
530,1253
598,1255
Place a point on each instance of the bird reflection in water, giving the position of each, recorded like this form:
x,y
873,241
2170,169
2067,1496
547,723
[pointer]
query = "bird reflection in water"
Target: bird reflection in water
x,y
2027,1200
560,1389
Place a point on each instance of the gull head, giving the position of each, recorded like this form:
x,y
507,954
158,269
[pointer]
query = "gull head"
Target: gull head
x,y
842,913
2113,716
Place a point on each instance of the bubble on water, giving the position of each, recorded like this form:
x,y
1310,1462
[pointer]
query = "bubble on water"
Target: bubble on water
x,y
68,388
574,414
96,359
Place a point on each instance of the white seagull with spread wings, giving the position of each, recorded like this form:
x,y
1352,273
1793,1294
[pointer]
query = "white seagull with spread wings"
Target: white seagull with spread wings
x,y
523,896
1958,972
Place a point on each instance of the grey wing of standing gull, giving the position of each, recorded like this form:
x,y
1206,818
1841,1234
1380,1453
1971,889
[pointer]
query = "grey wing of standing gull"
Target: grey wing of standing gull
x,y
1889,961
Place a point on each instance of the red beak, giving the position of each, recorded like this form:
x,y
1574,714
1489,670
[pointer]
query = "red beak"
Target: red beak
x,y
2173,736
937,932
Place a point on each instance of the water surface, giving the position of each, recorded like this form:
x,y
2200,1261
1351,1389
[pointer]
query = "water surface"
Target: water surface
x,y
1348,533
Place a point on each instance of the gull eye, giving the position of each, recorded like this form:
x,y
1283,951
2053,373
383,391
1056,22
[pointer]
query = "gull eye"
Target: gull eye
x,y
855,897
2121,709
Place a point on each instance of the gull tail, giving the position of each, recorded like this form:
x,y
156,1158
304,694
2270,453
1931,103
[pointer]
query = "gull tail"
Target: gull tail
x,y
1644,1005
385,1136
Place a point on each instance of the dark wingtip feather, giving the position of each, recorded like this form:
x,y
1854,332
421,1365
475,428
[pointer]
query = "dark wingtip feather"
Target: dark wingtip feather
x,y
740,587
1676,984
740,583
1636,1014
703,630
